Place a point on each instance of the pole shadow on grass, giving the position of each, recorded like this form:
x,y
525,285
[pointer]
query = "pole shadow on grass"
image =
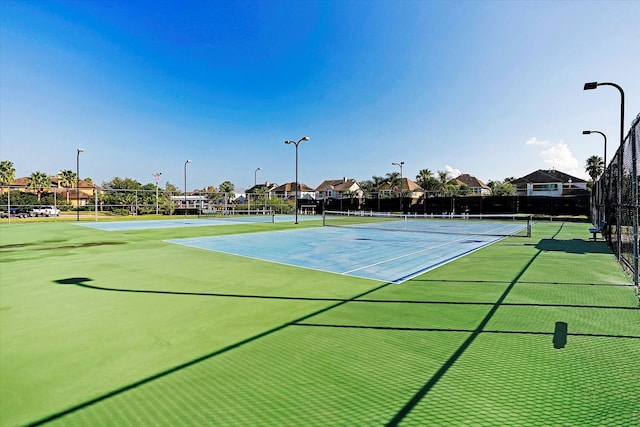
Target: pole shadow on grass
x,y
81,282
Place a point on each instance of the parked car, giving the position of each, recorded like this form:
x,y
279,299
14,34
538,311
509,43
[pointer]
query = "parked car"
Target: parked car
x,y
46,211
16,213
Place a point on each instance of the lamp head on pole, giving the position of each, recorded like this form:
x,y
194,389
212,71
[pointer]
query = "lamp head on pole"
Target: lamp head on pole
x,y
590,85
80,150
586,132
304,138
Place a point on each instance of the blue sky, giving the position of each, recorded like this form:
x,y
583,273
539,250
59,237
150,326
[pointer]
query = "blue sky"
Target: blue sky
x,y
489,88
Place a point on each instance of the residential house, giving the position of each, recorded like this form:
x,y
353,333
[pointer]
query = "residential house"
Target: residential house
x,y
551,183
338,189
82,195
259,190
409,189
473,185
288,191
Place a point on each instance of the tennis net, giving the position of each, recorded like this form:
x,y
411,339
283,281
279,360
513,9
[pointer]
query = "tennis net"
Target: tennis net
x,y
242,215
487,225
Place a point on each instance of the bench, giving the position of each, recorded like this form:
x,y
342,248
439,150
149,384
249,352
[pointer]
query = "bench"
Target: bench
x,y
599,229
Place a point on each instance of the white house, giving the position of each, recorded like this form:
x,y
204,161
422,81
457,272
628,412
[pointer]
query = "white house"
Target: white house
x,y
550,183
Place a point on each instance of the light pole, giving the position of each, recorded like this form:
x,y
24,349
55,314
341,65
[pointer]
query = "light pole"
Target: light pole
x,y
304,138
594,85
588,132
255,182
157,175
185,187
79,150
255,176
401,184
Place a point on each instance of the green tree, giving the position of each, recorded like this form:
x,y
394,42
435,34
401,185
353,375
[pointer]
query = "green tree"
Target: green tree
x,y
502,188
594,167
393,178
227,189
67,179
40,183
427,180
367,186
7,172
120,194
377,182
443,185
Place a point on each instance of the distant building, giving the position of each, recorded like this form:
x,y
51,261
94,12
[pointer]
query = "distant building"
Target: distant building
x,y
338,189
551,183
408,187
265,189
475,186
85,192
288,191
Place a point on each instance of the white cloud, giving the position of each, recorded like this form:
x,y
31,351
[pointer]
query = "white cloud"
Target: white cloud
x,y
452,172
558,155
536,141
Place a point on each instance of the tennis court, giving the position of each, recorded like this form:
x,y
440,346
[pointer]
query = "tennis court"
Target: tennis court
x,y
361,252
104,328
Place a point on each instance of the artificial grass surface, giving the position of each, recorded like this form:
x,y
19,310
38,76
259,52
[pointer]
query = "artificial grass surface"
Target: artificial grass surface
x,y
121,328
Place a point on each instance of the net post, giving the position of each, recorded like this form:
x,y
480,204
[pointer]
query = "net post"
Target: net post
x,y
324,218
529,220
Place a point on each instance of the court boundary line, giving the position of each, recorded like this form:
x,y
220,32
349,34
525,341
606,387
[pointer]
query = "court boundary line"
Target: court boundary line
x,y
399,280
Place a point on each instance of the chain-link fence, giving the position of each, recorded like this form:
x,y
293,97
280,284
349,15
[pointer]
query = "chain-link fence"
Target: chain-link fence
x,y
615,201
18,202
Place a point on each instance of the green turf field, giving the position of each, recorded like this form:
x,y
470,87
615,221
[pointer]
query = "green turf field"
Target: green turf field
x,y
121,328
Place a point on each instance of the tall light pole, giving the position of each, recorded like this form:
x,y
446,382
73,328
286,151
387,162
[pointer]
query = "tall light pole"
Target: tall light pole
x,y
588,132
594,85
401,184
304,138
79,150
255,176
157,175
255,182
185,187
604,172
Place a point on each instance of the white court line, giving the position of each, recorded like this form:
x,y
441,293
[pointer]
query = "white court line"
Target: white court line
x,y
411,254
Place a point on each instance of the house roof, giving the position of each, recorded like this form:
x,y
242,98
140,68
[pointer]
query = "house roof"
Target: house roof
x,y
24,182
267,186
343,184
543,176
290,187
469,181
407,184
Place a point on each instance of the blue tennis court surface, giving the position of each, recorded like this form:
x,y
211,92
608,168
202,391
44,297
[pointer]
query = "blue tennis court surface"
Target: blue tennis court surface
x,y
187,222
367,253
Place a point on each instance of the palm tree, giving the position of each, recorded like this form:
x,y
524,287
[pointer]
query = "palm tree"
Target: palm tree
x,y
426,180
443,178
595,167
393,178
67,179
7,172
367,185
39,182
